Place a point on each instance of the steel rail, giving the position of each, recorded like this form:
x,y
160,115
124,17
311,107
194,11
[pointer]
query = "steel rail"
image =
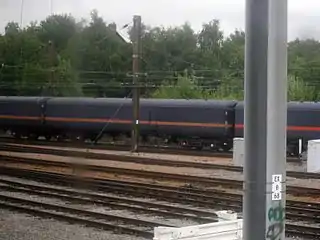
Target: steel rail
x,y
115,202
141,160
209,181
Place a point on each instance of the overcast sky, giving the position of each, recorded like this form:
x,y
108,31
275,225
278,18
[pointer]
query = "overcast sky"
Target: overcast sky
x,y
304,15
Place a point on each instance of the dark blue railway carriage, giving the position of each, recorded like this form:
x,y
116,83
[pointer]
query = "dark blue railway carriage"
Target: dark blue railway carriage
x,y
176,119
87,117
196,122
303,122
22,115
190,122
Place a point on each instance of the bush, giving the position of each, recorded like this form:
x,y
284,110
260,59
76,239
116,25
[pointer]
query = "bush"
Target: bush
x,y
184,88
298,90
228,89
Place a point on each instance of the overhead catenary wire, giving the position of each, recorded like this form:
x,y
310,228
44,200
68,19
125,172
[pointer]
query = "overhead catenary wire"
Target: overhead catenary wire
x,y
200,70
21,27
21,13
51,6
109,120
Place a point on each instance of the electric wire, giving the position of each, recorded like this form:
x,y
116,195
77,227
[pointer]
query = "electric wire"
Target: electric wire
x,y
108,122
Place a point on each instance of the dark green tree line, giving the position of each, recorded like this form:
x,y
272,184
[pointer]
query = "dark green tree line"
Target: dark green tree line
x,y
61,56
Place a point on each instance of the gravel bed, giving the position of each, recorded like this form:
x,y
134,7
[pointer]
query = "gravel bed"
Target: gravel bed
x,y
104,209
237,191
144,155
215,173
107,194
180,170
291,166
18,226
15,226
313,183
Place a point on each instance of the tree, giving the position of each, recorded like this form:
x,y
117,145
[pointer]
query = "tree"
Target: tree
x,y
61,56
168,49
58,29
304,61
298,90
98,47
12,29
210,42
233,51
185,88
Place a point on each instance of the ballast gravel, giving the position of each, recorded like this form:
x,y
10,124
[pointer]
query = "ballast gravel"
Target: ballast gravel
x,y
18,226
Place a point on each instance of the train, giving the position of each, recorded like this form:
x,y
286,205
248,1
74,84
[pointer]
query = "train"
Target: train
x,y
196,124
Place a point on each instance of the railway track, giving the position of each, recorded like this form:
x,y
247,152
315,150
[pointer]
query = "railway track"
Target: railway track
x,y
123,147
295,210
155,175
194,197
139,206
77,215
200,216
141,160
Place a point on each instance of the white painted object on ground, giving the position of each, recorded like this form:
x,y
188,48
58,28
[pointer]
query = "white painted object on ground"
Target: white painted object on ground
x,y
225,229
313,158
238,152
226,215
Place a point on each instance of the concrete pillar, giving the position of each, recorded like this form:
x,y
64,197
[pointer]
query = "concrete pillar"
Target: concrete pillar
x,y
313,159
238,152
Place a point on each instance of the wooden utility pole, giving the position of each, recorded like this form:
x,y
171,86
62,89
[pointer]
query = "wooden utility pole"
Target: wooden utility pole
x,y
51,63
136,91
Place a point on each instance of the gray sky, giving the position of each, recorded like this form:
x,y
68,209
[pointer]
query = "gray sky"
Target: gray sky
x,y
304,15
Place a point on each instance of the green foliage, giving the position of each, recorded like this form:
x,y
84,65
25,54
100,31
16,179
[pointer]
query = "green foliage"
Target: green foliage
x,y
184,88
188,88
61,56
66,82
31,73
298,90
231,89
58,29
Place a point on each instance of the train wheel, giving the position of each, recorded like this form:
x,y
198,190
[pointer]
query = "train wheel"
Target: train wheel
x,y
80,138
214,147
183,144
60,138
33,136
144,139
48,137
199,148
94,138
16,135
77,138
226,148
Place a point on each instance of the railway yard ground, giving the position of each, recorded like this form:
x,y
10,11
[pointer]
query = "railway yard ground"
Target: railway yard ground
x,y
89,193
